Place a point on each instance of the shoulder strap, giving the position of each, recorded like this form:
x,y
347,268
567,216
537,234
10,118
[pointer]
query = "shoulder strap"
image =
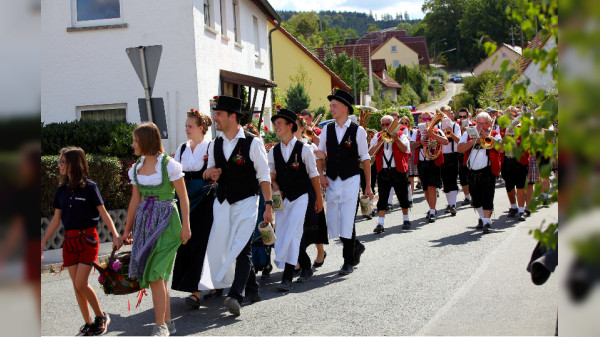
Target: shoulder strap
x,y
183,146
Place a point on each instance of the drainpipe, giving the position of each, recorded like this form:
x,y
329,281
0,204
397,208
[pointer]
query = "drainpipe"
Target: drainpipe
x,y
271,49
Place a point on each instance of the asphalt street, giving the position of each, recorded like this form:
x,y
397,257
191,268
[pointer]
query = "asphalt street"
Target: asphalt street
x,y
443,278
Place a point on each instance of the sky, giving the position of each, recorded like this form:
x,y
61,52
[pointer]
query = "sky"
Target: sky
x,y
378,7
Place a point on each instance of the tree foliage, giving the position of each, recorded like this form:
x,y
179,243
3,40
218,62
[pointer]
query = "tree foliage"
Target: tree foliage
x,y
341,65
297,99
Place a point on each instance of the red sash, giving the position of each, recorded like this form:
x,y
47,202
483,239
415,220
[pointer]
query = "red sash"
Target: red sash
x,y
401,158
493,156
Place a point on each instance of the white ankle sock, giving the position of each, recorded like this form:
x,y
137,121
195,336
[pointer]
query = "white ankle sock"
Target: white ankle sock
x,y
521,209
452,200
486,221
381,221
432,211
513,205
406,218
480,212
468,196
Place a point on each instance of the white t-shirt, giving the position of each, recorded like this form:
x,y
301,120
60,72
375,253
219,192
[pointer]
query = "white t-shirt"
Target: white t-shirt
x,y
420,149
478,158
174,171
452,146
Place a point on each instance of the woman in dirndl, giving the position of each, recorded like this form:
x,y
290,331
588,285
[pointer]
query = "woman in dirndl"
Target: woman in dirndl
x,y
153,220
193,156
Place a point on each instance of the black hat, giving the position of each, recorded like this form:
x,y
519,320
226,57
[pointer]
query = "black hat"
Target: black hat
x,y
289,116
230,104
344,97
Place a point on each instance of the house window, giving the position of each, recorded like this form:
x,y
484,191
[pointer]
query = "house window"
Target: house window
x,y
207,15
223,6
112,112
394,49
256,39
236,21
96,12
396,64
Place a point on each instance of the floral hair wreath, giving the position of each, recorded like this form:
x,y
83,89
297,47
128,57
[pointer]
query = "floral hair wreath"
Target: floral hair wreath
x,y
204,120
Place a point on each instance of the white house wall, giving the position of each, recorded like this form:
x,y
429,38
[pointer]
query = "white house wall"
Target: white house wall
x,y
538,79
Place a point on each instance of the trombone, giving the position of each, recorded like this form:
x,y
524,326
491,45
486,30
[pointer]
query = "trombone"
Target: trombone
x,y
308,131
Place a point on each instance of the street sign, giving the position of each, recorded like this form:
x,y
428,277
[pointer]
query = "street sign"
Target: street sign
x,y
152,59
158,114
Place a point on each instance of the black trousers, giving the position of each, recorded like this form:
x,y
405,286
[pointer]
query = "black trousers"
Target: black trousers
x,y
429,174
245,277
482,185
351,245
514,174
303,260
462,174
449,172
389,178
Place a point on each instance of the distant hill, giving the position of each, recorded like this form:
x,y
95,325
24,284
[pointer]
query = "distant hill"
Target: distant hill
x,y
360,22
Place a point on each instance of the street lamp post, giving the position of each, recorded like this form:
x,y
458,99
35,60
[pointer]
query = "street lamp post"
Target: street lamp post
x,y
434,55
447,51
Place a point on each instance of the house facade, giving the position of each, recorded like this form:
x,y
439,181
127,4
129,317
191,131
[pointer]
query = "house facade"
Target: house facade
x,y
209,47
494,61
290,58
395,53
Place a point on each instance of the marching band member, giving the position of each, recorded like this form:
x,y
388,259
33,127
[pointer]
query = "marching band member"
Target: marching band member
x,y
237,160
465,120
392,165
294,173
344,143
449,169
484,167
429,170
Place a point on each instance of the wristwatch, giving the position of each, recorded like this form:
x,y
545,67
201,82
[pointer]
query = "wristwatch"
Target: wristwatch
x,y
269,202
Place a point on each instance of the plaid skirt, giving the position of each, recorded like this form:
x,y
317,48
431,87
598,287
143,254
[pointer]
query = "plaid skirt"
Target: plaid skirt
x,y
534,171
413,171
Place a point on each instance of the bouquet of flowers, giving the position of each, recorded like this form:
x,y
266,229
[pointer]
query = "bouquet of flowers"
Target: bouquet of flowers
x,y
114,275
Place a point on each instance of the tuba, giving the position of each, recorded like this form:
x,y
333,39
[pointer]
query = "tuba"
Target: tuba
x,y
433,149
308,131
488,141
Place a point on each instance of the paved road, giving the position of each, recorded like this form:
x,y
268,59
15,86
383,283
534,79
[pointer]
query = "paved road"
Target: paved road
x,y
443,278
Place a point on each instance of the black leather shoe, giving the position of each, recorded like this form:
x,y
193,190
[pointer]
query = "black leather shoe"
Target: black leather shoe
x,y
447,210
466,202
367,216
512,212
406,225
479,224
378,229
486,228
305,276
285,285
346,269
233,305
390,207
521,216
528,212
217,293
357,253
251,299
266,272
319,264
431,217
453,210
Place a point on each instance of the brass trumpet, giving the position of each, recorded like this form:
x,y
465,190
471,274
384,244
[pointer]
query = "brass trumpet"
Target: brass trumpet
x,y
308,131
387,135
448,133
488,141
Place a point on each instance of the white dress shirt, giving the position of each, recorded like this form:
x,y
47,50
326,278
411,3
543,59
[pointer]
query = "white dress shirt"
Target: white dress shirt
x,y
361,139
308,157
192,161
258,154
478,158
387,148
452,146
420,149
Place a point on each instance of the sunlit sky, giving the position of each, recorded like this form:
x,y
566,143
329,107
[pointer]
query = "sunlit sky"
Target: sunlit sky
x,y
378,7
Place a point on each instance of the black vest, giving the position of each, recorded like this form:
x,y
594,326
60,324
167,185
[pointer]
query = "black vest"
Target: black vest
x,y
293,182
342,159
237,181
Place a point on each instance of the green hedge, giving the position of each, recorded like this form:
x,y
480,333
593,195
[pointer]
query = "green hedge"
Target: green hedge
x,y
375,120
108,138
109,173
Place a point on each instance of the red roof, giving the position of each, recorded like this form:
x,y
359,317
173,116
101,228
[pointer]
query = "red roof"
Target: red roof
x,y
388,81
335,79
417,43
378,65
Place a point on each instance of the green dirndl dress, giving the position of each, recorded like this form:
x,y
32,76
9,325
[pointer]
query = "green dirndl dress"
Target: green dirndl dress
x,y
156,232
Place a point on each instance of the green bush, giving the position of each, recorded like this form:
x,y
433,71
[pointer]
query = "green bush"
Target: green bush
x,y
297,99
408,96
375,121
108,173
108,138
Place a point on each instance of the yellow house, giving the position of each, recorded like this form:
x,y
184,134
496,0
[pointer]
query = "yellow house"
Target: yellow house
x,y
290,58
395,53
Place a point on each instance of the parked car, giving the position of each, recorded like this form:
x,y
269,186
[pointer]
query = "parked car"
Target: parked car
x,y
451,78
457,79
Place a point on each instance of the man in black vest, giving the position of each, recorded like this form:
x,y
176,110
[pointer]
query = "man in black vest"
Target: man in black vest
x,y
294,173
238,162
345,144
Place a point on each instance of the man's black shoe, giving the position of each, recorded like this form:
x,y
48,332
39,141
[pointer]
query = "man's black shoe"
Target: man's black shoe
x,y
486,228
406,224
305,275
346,269
447,210
479,224
357,253
367,216
528,212
390,207
521,217
431,217
285,285
512,212
453,210
378,229
467,201
251,299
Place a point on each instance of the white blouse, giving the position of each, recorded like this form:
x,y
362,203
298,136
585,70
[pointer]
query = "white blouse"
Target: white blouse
x,y
174,171
192,161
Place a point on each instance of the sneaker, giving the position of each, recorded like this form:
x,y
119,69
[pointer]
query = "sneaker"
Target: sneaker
x,y
486,228
233,305
86,330
466,202
453,210
406,225
479,224
100,325
512,212
160,330
171,327
521,216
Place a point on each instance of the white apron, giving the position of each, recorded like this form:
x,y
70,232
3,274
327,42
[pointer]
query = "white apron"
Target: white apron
x,y
289,227
342,198
232,227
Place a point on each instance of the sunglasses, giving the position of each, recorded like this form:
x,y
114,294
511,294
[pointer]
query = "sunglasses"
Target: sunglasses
x,y
426,118
463,116
385,124
405,123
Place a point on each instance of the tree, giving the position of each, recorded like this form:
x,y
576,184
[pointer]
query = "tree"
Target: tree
x,y
406,17
341,65
297,98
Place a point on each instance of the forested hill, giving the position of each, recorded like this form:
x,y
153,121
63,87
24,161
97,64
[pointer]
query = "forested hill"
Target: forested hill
x,y
359,22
